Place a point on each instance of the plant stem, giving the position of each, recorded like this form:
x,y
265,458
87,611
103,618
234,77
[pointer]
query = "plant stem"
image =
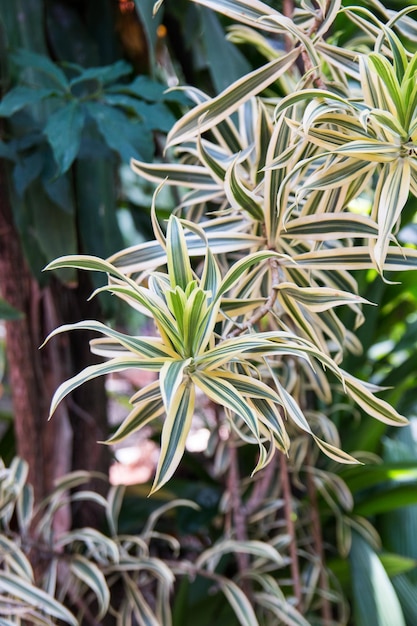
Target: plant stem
x,y
239,517
326,611
286,490
261,487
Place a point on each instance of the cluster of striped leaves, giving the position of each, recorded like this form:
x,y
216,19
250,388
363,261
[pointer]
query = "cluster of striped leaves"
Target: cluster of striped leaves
x,y
278,178
80,566
189,353
83,566
245,284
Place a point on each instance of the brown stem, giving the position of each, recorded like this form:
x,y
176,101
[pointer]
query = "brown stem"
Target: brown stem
x,y
326,611
262,486
239,517
286,491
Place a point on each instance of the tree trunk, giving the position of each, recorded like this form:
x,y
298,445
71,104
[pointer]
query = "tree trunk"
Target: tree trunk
x,y
69,440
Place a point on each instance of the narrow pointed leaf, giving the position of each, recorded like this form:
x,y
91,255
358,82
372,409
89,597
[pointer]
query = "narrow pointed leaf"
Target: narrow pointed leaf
x,y
91,575
206,115
35,597
174,433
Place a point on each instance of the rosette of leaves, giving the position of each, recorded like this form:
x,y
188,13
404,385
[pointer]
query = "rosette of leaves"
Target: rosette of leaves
x,y
376,134
191,352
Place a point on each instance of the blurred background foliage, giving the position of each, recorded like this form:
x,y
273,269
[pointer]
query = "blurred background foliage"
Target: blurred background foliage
x,y
83,89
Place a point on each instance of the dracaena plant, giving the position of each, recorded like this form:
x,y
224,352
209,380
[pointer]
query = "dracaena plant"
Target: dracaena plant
x,y
245,285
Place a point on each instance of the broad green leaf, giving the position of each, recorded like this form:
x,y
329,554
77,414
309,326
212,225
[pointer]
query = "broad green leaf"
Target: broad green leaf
x,y
34,597
20,97
174,433
63,131
396,564
40,62
206,115
130,139
107,74
391,498
114,505
92,576
407,595
373,592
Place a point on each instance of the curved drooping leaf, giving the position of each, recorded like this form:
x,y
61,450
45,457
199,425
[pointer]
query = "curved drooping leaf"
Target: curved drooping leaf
x,y
93,577
33,597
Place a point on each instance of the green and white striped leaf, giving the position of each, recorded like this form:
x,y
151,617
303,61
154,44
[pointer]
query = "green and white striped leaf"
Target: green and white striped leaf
x,y
110,367
142,346
140,608
222,392
15,559
174,433
239,196
114,505
330,227
380,409
34,597
355,258
170,378
248,12
206,115
179,267
390,197
285,612
210,557
319,299
143,413
91,575
194,176
335,453
238,601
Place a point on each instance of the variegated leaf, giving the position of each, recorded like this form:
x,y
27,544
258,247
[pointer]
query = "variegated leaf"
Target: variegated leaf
x,y
174,433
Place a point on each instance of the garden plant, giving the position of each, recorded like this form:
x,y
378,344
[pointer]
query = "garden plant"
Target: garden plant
x,y
295,190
